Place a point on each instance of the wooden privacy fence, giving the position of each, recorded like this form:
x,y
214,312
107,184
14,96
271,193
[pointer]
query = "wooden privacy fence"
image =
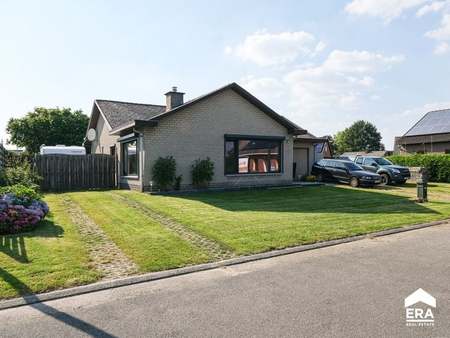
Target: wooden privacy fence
x,y
68,172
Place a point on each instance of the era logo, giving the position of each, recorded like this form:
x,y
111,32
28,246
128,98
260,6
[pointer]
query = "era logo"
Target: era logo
x,y
420,314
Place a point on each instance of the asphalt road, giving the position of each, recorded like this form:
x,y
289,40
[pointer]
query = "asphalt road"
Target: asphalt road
x,y
351,290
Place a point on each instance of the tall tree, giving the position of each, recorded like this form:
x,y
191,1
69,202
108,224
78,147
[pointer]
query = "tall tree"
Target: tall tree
x,y
49,126
360,136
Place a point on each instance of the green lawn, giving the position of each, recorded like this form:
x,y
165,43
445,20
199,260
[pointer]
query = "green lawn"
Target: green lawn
x,y
48,258
54,256
146,242
261,220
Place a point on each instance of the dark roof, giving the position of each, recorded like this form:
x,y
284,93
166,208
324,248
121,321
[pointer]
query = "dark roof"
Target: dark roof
x,y
120,113
310,137
434,122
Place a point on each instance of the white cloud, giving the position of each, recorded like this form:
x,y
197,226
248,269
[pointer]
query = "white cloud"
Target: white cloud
x,y
443,32
327,97
391,9
384,9
433,7
442,48
264,86
268,49
343,79
418,112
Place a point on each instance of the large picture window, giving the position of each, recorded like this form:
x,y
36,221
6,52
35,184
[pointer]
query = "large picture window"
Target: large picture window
x,y
130,160
248,155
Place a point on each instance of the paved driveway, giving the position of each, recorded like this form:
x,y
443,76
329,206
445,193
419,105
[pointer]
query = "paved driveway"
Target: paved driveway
x,y
354,289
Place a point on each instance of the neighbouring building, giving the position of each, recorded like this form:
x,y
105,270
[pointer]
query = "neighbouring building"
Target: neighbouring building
x,y
249,143
431,134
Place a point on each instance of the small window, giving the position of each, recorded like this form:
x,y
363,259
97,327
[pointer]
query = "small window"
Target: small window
x,y
130,161
368,161
340,165
359,160
252,156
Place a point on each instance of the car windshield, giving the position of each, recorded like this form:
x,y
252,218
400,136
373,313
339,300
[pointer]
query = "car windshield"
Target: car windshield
x,y
353,167
382,161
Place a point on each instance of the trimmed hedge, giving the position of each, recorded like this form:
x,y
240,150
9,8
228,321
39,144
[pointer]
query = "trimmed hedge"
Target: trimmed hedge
x,y
437,165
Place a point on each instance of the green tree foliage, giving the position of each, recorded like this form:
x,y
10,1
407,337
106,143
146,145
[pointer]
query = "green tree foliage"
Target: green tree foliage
x,y
360,136
49,126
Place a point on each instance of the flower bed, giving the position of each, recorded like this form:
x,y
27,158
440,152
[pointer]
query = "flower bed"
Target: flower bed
x,y
20,213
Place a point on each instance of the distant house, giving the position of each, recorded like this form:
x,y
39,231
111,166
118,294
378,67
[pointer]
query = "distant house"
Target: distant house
x,y
249,143
431,134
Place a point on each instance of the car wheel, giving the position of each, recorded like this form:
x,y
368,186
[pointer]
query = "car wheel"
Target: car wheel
x,y
354,182
385,179
320,178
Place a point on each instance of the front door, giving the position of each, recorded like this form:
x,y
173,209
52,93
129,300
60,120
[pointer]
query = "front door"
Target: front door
x,y
301,162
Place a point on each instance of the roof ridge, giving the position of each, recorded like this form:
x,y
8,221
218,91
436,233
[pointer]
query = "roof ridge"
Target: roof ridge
x,y
438,110
415,124
128,102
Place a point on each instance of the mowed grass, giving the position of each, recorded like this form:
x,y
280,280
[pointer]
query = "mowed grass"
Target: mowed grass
x,y
261,220
151,246
50,257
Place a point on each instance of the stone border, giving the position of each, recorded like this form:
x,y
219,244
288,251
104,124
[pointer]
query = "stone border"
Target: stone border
x,y
104,285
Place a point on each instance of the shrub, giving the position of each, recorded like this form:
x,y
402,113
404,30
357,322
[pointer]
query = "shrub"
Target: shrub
x,y
19,211
23,195
437,165
163,172
178,180
18,170
22,174
202,172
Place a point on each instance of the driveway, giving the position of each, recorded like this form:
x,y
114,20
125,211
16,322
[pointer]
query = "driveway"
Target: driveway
x,y
354,289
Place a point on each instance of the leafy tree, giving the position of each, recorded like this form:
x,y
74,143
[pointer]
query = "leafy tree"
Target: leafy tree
x,y
49,126
360,136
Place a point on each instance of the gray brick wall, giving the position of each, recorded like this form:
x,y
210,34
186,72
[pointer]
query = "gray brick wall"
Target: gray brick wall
x,y
198,132
103,141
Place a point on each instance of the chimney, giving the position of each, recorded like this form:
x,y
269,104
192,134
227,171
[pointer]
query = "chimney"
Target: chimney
x,y
173,99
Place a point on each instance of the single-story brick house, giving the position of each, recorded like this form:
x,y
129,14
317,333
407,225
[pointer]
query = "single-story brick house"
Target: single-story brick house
x,y
431,134
249,143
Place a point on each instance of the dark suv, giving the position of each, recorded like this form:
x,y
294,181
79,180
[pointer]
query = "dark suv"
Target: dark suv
x,y
345,172
389,172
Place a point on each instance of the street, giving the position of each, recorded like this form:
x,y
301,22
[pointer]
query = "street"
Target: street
x,y
355,289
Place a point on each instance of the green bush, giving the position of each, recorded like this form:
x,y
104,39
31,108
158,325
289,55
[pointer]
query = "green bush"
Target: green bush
x,y
437,165
202,172
22,174
18,170
22,193
163,172
178,180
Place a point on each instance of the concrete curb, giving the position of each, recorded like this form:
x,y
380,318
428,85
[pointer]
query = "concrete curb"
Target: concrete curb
x,y
79,290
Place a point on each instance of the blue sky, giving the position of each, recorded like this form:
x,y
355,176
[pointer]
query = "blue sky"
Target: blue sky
x,y
323,64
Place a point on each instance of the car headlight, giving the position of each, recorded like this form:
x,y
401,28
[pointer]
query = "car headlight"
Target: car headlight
x,y
367,177
395,171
